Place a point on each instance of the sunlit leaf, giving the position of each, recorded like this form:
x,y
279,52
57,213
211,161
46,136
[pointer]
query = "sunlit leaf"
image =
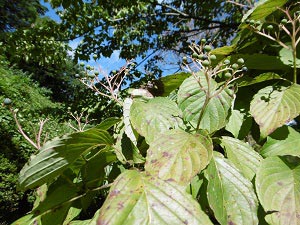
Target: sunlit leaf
x,y
127,125
138,199
284,141
108,123
154,117
263,8
242,155
230,195
178,155
278,189
191,100
273,106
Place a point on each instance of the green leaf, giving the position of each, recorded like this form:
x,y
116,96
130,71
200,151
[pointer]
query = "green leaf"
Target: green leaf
x,y
73,213
230,195
191,99
261,61
178,155
154,117
92,221
284,141
58,194
29,219
56,216
126,115
242,155
278,189
138,199
286,56
224,51
57,155
246,81
93,173
172,82
273,106
108,123
235,122
263,8
194,188
126,151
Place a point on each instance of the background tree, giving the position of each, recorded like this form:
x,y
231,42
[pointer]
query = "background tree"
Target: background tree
x,y
15,14
149,30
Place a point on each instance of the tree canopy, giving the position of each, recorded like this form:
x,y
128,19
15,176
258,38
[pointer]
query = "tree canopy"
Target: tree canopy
x,y
148,29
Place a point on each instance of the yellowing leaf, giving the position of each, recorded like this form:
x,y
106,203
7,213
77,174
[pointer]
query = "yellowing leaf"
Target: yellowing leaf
x,y
178,155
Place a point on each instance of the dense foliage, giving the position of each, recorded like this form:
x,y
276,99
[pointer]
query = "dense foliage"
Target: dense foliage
x,y
213,148
31,103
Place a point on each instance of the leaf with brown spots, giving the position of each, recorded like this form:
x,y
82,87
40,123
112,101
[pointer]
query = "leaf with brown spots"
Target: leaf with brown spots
x,y
278,188
137,199
273,106
230,195
178,155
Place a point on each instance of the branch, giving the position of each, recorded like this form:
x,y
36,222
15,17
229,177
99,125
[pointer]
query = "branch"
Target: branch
x,y
21,130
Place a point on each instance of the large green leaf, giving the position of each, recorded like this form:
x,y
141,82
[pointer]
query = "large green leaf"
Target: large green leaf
x,y
273,106
172,82
191,99
178,155
278,189
263,8
154,117
230,195
138,199
242,155
284,141
56,155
